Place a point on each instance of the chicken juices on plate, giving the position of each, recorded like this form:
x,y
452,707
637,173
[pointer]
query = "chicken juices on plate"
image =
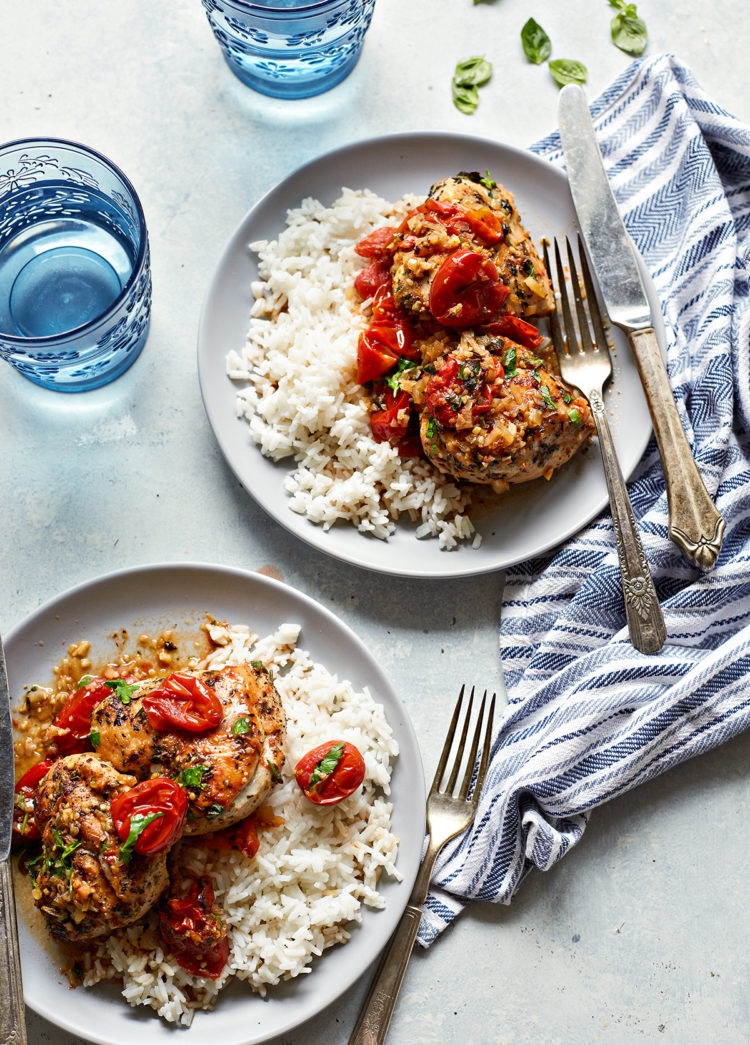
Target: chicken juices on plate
x,y
492,414
86,882
219,733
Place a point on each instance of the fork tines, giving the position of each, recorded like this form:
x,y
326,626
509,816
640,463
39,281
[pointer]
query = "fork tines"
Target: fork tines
x,y
585,331
458,758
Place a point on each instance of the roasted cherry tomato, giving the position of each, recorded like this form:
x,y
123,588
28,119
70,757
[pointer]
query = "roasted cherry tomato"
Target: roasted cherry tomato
x,y
372,276
75,716
330,772
193,931
480,221
373,357
240,838
160,796
453,386
24,824
376,243
465,290
182,701
517,330
390,424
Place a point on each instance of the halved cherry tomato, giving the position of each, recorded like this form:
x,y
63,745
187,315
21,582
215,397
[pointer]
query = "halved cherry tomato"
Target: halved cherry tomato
x,y
193,931
182,701
517,330
240,838
24,824
465,290
389,425
158,795
373,357
75,716
372,276
330,772
481,221
376,243
452,387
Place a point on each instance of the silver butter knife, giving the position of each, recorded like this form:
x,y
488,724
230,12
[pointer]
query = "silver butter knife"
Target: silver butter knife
x,y
12,1014
695,525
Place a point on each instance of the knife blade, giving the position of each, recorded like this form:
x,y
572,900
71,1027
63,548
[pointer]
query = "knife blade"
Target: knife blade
x,y
695,525
12,1016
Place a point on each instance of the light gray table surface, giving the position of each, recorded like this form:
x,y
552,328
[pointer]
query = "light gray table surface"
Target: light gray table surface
x,y
640,933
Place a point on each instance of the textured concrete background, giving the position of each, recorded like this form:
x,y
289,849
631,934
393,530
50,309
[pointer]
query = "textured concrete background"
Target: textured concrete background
x,y
640,934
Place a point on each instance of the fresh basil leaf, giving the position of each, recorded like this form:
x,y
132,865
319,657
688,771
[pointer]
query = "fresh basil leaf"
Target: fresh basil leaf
x,y
83,682
121,689
240,727
568,70
510,362
138,824
193,776
629,32
472,72
567,398
465,99
274,770
536,44
327,764
547,396
431,428
488,181
94,738
575,417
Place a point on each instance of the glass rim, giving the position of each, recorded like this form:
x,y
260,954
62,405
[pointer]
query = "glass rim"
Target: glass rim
x,y
52,339
269,11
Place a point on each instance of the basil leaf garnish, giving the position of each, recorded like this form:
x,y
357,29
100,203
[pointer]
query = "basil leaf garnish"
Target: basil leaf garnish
x,y
138,824
121,689
327,764
240,727
547,396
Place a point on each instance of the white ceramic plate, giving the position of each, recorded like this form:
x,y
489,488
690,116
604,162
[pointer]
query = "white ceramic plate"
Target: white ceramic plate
x,y
149,599
525,522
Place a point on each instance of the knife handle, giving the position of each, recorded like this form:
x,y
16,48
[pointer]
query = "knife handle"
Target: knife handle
x,y
12,1013
695,524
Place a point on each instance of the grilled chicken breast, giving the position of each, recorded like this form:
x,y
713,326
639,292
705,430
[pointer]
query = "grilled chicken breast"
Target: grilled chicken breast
x,y
81,886
428,240
491,413
227,771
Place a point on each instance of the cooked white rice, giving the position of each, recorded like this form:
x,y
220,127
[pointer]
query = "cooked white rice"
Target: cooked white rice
x,y
302,399
310,877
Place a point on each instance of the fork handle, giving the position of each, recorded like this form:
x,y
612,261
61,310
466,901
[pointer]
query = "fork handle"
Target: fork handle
x,y
646,626
695,524
12,1013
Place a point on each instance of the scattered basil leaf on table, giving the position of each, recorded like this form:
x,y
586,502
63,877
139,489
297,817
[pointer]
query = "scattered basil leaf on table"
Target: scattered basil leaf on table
x,y
536,44
568,70
629,32
469,74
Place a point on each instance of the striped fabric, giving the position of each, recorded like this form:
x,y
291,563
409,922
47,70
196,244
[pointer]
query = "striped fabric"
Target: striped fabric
x,y
588,716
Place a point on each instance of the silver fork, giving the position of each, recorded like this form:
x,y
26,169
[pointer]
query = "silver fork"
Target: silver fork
x,y
448,813
585,362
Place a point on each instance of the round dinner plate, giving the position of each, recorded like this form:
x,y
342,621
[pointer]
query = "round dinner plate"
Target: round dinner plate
x,y
531,518
150,599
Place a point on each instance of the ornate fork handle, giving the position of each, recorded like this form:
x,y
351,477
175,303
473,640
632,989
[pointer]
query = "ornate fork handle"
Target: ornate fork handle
x,y
646,626
695,524
12,1016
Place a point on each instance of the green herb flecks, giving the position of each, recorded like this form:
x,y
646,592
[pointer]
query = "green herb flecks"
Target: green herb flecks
x,y
257,664
568,70
547,396
95,738
510,362
193,776
536,44
121,689
241,727
431,428
575,417
83,682
469,74
274,770
138,824
214,810
327,764
567,398
392,379
628,31
488,181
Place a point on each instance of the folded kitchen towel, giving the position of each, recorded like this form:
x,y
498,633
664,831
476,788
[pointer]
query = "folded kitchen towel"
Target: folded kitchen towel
x,y
589,717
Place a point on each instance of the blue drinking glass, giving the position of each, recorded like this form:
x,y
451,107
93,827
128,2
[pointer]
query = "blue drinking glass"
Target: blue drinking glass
x,y
75,276
290,48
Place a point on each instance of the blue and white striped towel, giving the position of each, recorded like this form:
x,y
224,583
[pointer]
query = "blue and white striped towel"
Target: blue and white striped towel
x,y
589,717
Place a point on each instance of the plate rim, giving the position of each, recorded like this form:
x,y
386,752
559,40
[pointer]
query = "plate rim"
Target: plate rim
x,y
144,1018
299,526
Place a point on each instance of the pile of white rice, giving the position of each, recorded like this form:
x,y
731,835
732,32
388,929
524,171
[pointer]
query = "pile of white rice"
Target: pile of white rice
x,y
311,875
302,399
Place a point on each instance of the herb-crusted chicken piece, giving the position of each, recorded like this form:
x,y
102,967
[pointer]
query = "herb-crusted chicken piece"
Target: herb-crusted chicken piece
x,y
227,770
463,257
81,884
492,414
